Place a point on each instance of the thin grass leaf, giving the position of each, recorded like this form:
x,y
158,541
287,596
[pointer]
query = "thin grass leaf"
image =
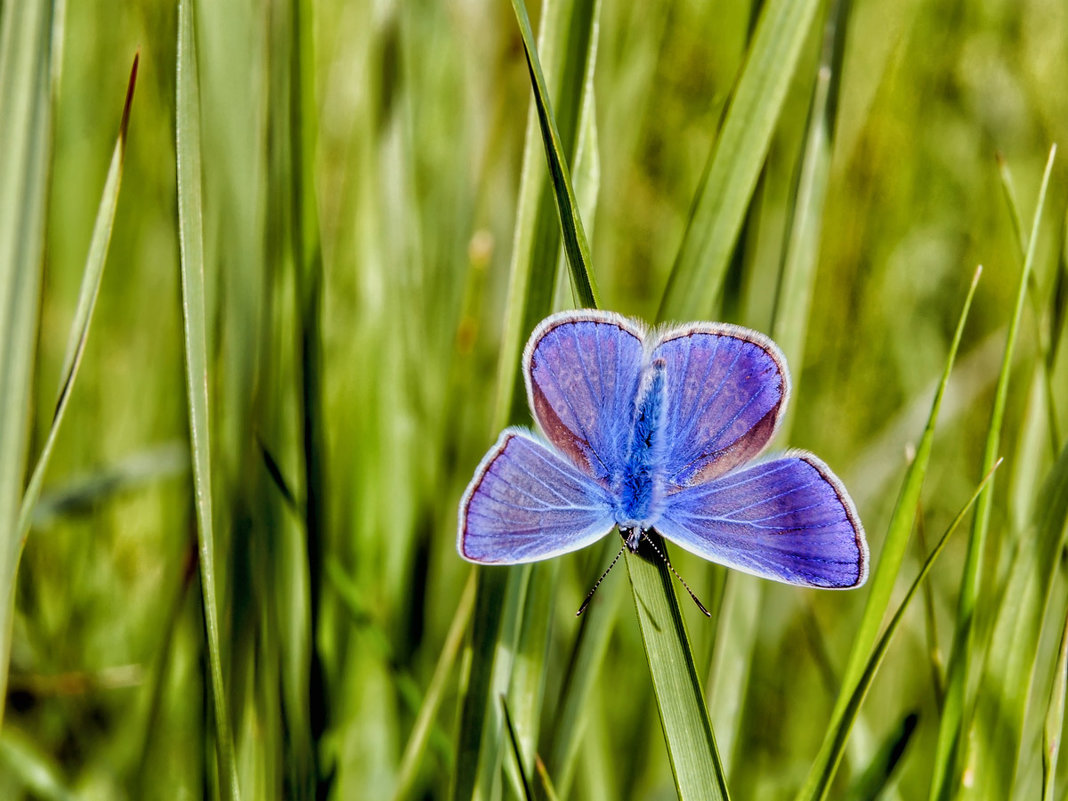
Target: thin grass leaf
x,y
966,657
516,751
835,741
29,52
415,748
587,656
883,578
576,248
568,36
83,315
997,726
194,317
800,257
680,699
880,772
567,48
691,746
743,595
547,786
1053,729
736,160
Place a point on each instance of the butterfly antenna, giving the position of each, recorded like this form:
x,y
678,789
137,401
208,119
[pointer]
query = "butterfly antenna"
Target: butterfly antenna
x,y
682,581
598,583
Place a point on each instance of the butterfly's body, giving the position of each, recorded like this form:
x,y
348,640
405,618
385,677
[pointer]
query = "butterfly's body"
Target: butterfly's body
x,y
641,480
658,430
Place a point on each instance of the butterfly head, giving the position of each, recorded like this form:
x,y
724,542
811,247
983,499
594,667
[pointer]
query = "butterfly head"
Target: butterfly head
x,y
632,536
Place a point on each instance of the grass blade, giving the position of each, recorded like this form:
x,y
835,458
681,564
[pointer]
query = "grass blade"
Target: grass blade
x,y
194,317
883,766
1054,725
83,317
736,160
835,741
966,654
567,36
1001,705
684,715
516,751
680,699
576,248
27,56
883,578
417,741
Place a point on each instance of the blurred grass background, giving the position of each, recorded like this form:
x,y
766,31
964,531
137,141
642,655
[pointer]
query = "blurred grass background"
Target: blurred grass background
x,y
411,120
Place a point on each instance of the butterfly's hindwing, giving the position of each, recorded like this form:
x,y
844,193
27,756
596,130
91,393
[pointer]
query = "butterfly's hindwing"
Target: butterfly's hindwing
x,y
788,519
526,503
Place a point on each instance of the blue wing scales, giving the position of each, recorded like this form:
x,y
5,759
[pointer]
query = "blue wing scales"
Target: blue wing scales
x,y
528,503
787,519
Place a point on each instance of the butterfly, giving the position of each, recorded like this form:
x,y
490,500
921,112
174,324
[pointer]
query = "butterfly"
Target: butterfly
x,y
660,430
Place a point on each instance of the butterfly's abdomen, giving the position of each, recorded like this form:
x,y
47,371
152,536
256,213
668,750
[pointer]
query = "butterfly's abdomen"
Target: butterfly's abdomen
x,y
640,490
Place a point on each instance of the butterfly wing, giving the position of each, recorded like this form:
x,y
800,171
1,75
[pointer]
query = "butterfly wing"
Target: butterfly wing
x,y
582,371
788,519
526,503
727,388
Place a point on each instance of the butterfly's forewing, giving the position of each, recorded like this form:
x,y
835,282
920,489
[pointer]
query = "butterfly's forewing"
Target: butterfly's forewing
x,y
526,503
726,391
582,371
787,519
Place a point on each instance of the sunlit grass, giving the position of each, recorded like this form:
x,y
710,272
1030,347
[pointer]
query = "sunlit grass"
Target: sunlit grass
x,y
394,147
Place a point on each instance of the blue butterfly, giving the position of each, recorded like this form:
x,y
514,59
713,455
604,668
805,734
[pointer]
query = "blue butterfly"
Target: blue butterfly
x,y
658,430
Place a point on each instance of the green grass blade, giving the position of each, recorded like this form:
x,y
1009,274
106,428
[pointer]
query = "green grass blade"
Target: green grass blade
x,y
567,48
83,317
884,576
691,745
736,160
801,256
1053,729
966,654
683,712
517,752
194,316
27,55
576,247
834,743
587,655
997,726
871,783
499,633
428,711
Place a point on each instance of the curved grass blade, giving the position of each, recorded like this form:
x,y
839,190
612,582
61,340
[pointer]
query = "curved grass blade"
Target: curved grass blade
x,y
835,740
997,726
691,746
743,595
887,567
498,634
1053,729
516,751
428,711
576,247
194,317
680,699
83,315
587,655
966,656
29,58
871,783
736,160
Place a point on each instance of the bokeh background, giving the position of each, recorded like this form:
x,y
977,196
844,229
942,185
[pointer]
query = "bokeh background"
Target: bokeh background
x,y
409,131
